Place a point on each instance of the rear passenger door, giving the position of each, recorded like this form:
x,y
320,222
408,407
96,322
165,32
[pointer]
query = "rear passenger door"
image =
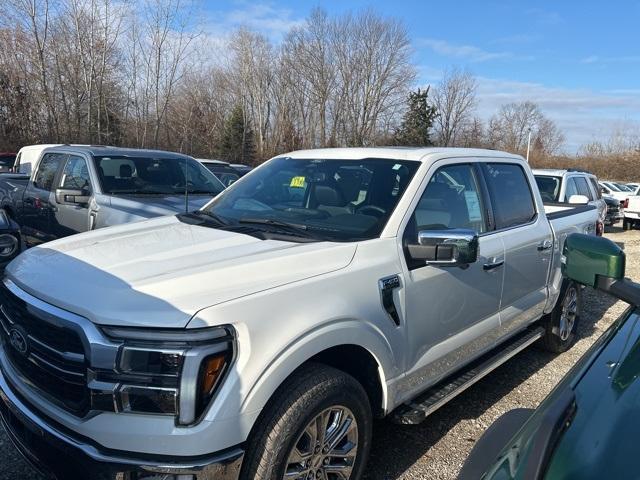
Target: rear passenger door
x,y
528,243
38,200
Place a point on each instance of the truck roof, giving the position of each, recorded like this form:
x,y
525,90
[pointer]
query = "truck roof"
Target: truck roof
x,y
401,153
102,150
559,172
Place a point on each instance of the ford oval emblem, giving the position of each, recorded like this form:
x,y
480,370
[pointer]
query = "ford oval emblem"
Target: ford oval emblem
x,y
18,340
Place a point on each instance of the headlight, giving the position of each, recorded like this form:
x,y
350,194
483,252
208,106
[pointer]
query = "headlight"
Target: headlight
x,y
164,372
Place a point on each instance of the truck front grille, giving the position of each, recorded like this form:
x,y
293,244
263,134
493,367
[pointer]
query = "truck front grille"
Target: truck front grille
x,y
48,357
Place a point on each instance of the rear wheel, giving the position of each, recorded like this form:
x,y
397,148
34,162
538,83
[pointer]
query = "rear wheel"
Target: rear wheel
x,y
561,324
318,426
627,224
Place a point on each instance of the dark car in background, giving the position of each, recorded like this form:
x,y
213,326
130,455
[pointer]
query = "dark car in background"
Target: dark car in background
x,y
615,211
241,169
224,171
587,428
7,161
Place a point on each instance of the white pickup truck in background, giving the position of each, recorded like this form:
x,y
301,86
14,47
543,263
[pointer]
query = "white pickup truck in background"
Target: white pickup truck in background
x,y
258,337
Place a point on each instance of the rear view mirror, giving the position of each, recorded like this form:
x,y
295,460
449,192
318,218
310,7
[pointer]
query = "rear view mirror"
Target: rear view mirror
x,y
588,257
578,199
68,196
453,247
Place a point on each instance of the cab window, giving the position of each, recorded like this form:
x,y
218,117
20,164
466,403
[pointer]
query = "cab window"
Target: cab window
x,y
47,170
451,200
75,175
583,187
510,193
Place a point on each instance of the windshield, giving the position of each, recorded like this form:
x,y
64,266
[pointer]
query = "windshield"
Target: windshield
x,y
160,176
340,200
612,186
549,188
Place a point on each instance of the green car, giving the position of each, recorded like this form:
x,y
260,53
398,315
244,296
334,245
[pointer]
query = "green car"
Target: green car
x,y
587,428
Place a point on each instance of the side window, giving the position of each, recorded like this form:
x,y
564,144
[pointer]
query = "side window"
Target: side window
x,y
47,170
451,200
510,195
595,187
583,187
75,175
572,188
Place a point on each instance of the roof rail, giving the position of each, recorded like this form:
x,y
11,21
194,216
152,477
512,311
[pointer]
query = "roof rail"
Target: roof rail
x,y
579,170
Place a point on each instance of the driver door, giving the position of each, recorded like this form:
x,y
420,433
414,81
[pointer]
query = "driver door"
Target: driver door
x,y
452,312
73,218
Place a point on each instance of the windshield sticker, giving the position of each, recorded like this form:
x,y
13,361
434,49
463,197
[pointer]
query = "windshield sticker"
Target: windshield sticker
x,y
473,206
297,182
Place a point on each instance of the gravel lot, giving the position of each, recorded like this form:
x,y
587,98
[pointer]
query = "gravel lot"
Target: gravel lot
x,y
437,448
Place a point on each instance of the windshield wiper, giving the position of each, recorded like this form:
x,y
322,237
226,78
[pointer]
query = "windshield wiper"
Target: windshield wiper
x,y
300,230
212,216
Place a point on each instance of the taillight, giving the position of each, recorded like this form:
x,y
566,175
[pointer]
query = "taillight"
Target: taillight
x,y
625,204
599,228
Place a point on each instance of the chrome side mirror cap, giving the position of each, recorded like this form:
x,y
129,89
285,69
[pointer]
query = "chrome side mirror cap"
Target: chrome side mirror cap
x,y
454,247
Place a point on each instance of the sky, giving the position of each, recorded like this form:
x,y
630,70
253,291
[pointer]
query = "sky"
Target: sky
x,y
579,60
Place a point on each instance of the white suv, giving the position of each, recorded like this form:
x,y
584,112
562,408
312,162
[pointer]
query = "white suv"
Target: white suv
x,y
559,186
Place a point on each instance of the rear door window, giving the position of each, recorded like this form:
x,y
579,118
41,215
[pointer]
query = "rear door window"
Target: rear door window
x,y
510,193
46,174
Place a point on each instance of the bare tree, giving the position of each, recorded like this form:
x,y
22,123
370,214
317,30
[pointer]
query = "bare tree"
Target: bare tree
x,y
455,101
509,129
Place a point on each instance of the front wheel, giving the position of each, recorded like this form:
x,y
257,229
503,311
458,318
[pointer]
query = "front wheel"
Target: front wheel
x,y
562,323
318,426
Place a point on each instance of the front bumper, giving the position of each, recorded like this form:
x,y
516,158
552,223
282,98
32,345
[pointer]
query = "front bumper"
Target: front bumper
x,y
60,455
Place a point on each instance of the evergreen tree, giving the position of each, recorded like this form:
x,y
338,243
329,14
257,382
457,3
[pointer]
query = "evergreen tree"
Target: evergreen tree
x,y
417,121
236,145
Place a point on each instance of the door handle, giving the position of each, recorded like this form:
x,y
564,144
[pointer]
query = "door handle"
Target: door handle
x,y
545,245
492,265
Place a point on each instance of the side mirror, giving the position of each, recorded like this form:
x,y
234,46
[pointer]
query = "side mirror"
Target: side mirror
x,y
588,257
68,196
578,199
453,247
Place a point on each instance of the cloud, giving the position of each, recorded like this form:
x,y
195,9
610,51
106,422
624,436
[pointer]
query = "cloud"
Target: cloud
x,y
582,114
468,52
274,22
595,59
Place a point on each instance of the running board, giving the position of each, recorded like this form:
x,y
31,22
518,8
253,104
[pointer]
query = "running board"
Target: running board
x,y
417,410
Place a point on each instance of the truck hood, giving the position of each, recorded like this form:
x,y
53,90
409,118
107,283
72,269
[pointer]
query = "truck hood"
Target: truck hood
x,y
160,272
149,206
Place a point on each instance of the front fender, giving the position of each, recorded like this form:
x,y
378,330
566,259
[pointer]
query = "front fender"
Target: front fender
x,y
334,334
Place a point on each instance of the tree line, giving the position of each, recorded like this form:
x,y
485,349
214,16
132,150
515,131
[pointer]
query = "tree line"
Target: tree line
x,y
144,74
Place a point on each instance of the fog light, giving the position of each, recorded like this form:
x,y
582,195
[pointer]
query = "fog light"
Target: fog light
x,y
161,401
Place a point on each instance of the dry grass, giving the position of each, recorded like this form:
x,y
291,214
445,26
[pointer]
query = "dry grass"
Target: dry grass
x,y
623,167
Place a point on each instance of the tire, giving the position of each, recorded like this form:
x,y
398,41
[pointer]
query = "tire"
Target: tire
x,y
313,395
626,224
561,324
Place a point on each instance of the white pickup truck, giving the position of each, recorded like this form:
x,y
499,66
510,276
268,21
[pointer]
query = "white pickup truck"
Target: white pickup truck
x,y
258,337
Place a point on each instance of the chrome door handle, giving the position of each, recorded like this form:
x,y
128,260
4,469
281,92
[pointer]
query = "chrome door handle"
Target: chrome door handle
x,y
493,265
545,245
